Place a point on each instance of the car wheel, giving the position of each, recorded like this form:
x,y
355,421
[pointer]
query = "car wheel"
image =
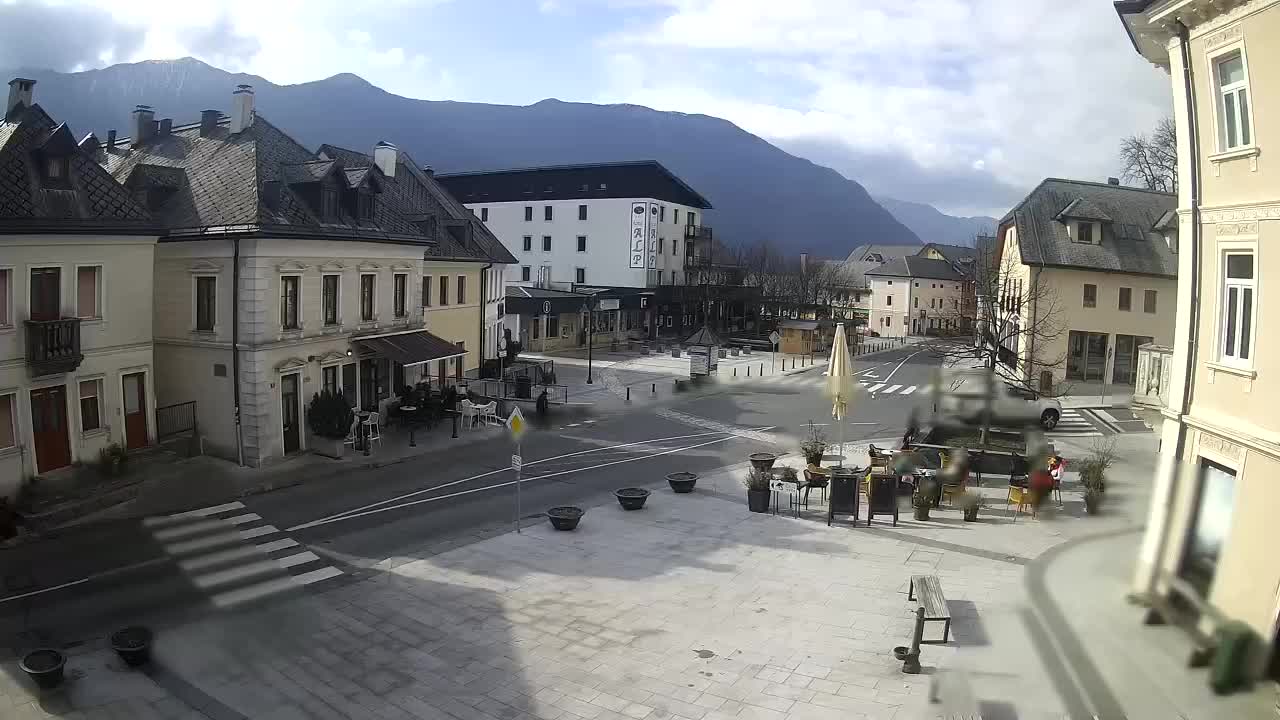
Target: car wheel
x,y
1049,419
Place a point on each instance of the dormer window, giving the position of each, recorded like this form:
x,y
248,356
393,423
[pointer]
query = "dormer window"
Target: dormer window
x,y
329,203
364,205
1084,233
56,172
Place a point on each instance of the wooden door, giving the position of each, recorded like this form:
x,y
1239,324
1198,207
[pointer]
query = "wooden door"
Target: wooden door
x,y
49,428
289,412
46,293
135,410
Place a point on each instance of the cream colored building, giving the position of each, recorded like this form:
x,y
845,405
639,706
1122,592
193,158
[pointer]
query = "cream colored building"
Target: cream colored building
x,y
1084,275
1215,490
335,270
75,301
919,295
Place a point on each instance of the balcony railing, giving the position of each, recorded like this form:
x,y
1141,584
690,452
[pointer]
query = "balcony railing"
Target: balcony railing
x,y
697,232
53,346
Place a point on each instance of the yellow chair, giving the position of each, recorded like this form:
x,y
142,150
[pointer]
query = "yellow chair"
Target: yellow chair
x,y
1022,497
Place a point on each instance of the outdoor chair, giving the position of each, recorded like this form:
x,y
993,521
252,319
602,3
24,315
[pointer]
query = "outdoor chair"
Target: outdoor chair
x,y
469,413
488,413
1022,498
350,439
371,428
815,477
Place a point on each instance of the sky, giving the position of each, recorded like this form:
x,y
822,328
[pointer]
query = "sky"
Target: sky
x,y
962,104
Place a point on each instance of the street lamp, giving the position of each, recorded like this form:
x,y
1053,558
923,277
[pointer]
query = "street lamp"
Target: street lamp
x,y
590,306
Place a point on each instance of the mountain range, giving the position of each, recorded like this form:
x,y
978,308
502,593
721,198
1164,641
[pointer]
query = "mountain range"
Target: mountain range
x,y
932,225
760,193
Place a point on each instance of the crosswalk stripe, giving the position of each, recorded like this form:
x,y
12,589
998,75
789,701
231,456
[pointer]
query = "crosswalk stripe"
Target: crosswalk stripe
x,y
892,389
243,519
259,531
201,512
875,388
298,559
909,390
317,575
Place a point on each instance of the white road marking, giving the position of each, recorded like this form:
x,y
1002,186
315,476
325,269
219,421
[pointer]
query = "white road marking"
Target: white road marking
x,y
909,390
899,367
892,389
258,531
875,388
298,559
202,512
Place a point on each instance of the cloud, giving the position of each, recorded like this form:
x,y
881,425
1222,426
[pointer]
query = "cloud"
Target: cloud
x,y
958,103
63,38
221,44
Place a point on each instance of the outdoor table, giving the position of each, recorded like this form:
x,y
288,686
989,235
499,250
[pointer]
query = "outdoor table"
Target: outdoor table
x,y
792,489
360,436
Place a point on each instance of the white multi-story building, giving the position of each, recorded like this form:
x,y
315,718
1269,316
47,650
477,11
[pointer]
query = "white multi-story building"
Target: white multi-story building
x,y
623,224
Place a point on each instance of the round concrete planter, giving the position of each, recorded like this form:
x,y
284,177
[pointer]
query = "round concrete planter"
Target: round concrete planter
x,y
45,667
631,498
565,517
682,482
133,645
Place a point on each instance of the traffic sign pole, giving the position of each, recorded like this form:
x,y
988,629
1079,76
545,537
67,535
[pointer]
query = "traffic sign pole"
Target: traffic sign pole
x,y
517,426
519,465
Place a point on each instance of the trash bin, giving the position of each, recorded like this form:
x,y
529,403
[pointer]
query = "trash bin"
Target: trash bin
x,y
524,387
1235,638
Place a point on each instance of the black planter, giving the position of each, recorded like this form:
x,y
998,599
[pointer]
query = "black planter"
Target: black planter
x,y
133,645
763,461
565,517
971,514
682,482
901,652
631,498
1092,503
758,501
922,512
44,667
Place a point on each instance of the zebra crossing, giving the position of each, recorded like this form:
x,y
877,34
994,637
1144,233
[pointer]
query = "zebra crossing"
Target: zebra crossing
x,y
1073,424
233,556
813,379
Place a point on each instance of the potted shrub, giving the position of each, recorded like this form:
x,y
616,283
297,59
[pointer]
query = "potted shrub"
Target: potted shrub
x,y
113,460
631,498
133,645
969,504
330,419
1093,474
925,496
565,517
763,461
45,667
757,482
815,446
682,482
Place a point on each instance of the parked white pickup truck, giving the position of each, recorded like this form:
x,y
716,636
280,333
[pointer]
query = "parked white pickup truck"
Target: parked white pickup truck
x,y
962,395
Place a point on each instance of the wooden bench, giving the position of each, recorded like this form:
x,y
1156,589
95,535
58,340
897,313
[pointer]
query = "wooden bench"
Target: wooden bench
x,y
929,591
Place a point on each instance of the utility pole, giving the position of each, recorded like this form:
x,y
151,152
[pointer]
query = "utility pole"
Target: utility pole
x,y
591,320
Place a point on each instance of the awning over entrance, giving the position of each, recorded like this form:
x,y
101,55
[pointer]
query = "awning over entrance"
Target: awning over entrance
x,y
411,348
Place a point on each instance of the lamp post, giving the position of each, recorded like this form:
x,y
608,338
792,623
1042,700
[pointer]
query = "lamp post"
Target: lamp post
x,y
591,318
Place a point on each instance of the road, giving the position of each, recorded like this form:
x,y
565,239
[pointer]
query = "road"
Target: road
x,y
300,538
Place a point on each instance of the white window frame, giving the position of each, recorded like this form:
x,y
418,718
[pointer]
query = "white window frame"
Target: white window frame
x,y
195,302
407,298
337,315
373,318
7,323
580,275
1216,58
526,273
100,388
99,283
13,422
1240,284
298,303
582,243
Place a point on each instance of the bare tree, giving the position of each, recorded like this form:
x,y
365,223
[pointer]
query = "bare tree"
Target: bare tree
x,y
1152,160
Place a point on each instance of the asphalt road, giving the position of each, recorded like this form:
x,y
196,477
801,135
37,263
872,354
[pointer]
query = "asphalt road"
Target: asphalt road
x,y
380,513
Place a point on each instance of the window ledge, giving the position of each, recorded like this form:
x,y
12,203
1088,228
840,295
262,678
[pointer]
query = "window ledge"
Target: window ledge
x,y
96,432
1248,373
1250,151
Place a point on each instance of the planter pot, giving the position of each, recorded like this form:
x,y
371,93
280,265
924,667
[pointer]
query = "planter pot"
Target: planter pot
x,y
1092,503
682,482
44,667
675,352
763,461
758,501
565,517
631,498
722,353
746,351
644,350
133,645
328,447
901,652
971,514
735,352
922,512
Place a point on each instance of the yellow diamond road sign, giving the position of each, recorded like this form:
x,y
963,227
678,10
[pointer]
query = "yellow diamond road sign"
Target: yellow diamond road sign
x,y
516,423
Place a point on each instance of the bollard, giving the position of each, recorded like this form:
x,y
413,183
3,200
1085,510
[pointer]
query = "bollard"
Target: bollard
x,y
654,388
628,393
761,369
748,371
911,663
455,423
364,434
735,372
411,442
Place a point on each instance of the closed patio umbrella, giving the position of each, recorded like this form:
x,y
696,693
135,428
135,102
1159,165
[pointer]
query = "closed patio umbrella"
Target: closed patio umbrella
x,y
840,384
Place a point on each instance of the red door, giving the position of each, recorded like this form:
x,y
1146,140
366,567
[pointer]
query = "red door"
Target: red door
x,y
49,428
135,410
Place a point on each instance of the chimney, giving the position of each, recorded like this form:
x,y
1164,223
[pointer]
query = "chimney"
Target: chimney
x,y
19,92
144,124
429,171
804,261
208,121
111,140
1113,181
241,109
166,125
384,156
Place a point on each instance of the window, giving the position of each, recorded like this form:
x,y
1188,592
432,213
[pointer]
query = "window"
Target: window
x,y
528,243
484,214
289,302
1126,299
1233,90
6,282
524,273
329,379
399,293
536,327
8,432
364,204
546,213
1215,504
675,215
55,171
673,277
1149,301
329,203
89,292
662,213
931,301
675,246
90,410
582,243
579,275
916,301
462,289
349,385
457,362
1090,295
426,291
553,325
546,243
1086,356
1237,308
688,249
206,303
367,283
528,213
582,212
444,290
888,299
691,219
661,241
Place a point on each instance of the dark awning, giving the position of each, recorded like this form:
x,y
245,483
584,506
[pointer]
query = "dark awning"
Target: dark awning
x,y
411,348
704,337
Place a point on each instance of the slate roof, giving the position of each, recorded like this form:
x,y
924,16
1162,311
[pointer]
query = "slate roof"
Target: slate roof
x,y
888,252
954,253
94,201
629,179
914,266
420,195
1129,242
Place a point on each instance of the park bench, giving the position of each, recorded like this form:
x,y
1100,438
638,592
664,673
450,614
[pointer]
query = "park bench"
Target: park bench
x,y
928,590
